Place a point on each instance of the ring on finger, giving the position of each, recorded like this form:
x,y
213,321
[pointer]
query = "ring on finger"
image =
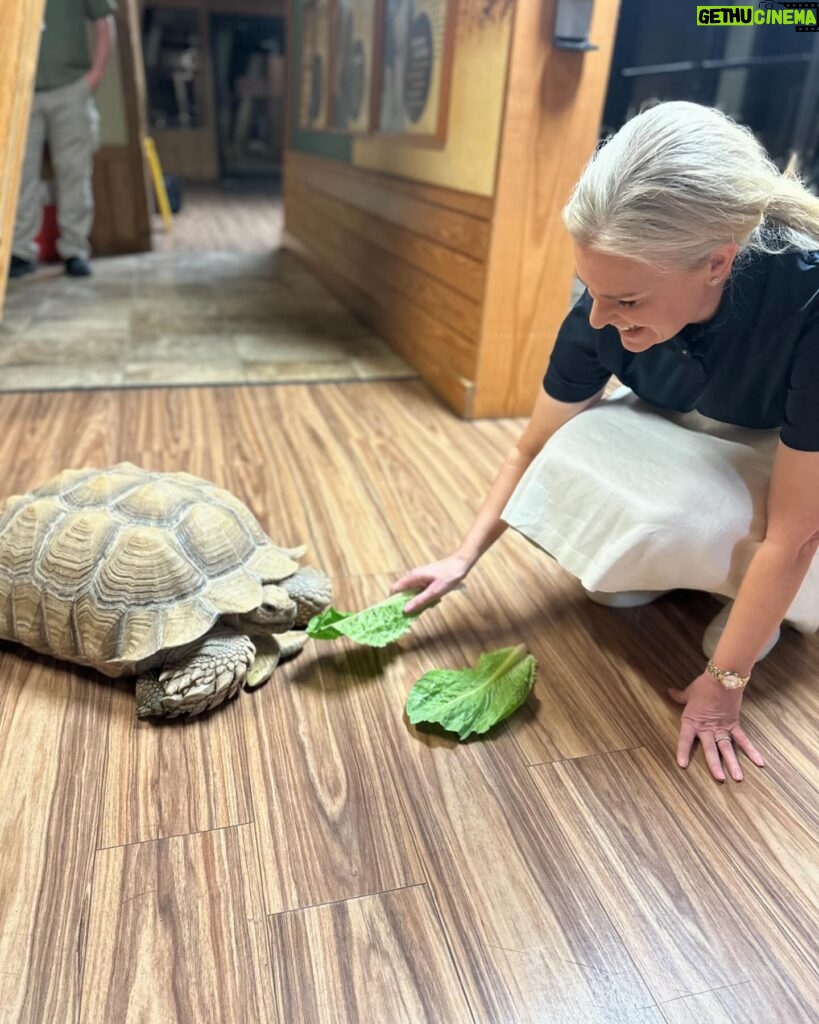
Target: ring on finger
x,y
724,736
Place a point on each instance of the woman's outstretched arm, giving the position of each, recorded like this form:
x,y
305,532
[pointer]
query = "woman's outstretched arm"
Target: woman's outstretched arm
x,y
437,578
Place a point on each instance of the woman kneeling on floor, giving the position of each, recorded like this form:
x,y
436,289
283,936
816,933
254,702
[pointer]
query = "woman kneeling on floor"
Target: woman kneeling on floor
x,y
702,297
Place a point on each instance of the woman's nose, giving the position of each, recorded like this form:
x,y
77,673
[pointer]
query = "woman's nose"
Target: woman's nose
x,y
597,315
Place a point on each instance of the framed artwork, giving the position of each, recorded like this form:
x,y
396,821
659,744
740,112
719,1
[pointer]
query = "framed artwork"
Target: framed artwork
x,y
415,64
315,65
352,64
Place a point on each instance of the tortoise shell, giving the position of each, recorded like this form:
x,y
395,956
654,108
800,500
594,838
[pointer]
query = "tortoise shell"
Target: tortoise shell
x,y
108,567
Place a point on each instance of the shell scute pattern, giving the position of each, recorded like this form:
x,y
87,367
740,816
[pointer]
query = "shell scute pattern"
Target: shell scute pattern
x,y
151,504
100,489
70,555
242,512
214,539
26,615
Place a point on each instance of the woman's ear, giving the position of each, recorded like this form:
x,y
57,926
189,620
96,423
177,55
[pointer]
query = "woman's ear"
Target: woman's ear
x,y
721,260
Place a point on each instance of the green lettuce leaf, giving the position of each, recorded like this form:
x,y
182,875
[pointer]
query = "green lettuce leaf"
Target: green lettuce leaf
x,y
474,699
376,626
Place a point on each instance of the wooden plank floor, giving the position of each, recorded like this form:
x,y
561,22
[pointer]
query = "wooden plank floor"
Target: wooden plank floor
x,y
304,856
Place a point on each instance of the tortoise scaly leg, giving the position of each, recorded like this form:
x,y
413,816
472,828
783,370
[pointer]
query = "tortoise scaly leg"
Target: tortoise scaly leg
x,y
198,677
270,650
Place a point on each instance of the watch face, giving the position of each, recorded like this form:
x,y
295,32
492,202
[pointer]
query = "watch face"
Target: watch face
x,y
732,681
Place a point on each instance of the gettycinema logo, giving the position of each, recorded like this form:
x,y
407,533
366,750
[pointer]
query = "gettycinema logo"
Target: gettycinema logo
x,y
804,17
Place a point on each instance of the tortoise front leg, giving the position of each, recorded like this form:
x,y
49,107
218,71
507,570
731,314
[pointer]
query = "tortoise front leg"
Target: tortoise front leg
x,y
199,676
270,650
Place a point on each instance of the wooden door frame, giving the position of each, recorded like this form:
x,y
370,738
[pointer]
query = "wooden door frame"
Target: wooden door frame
x,y
20,27
129,22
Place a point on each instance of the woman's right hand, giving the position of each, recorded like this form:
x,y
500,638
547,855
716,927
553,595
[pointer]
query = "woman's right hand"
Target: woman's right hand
x,y
433,581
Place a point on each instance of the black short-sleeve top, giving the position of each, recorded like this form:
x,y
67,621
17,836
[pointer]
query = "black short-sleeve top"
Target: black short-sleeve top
x,y
755,363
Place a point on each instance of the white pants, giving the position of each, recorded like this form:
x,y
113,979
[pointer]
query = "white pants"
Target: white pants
x,y
626,496
67,119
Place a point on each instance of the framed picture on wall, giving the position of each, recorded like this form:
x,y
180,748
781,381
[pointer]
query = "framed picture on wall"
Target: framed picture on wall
x,y
354,30
315,65
415,62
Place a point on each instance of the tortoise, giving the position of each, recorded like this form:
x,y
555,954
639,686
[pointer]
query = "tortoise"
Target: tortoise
x,y
159,575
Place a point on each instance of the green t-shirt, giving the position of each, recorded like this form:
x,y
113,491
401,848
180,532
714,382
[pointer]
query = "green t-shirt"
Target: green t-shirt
x,y
64,53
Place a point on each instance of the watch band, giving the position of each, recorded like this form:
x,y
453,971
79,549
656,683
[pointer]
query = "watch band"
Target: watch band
x,y
730,680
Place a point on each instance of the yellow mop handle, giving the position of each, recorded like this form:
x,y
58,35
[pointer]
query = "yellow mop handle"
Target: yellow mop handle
x,y
159,182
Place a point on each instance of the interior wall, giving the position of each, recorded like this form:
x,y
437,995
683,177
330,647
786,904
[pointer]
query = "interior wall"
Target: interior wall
x,y
110,100
456,254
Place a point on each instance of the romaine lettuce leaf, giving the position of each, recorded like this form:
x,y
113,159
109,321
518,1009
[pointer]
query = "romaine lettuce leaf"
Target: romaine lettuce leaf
x,y
474,699
376,626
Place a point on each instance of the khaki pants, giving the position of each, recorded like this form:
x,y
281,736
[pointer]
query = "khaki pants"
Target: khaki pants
x,y
67,119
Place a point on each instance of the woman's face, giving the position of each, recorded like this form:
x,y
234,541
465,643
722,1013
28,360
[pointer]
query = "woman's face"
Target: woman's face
x,y
648,307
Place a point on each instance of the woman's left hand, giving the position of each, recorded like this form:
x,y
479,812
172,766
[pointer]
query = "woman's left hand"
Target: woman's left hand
x,y
712,715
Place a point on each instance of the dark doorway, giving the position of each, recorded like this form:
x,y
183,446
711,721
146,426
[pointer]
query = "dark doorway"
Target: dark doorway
x,y
765,76
249,78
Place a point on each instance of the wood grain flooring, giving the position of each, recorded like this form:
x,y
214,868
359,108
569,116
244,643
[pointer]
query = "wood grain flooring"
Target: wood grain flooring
x,y
304,855
235,216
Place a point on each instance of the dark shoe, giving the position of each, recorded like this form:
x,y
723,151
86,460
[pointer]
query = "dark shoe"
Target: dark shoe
x,y
76,266
20,267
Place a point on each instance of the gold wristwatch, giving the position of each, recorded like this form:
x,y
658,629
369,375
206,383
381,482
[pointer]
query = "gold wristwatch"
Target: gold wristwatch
x,y
730,680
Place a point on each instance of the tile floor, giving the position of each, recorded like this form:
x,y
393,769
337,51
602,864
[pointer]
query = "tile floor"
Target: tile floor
x,y
182,318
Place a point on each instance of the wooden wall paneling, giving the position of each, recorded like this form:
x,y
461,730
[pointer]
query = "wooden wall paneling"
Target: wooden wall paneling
x,y
453,228
435,195
411,328
20,25
554,102
460,273
391,273
454,389
379,960
415,336
117,227
176,932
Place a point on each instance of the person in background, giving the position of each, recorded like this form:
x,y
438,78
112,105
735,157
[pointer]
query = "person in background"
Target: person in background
x,y
701,265
64,115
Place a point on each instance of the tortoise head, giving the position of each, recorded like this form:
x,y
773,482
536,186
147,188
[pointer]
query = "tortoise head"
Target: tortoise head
x,y
311,591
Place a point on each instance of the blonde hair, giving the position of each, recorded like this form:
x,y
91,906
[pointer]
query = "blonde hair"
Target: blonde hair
x,y
679,180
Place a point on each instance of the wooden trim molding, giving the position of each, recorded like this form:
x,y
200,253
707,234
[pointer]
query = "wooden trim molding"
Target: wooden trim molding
x,y
20,26
554,103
